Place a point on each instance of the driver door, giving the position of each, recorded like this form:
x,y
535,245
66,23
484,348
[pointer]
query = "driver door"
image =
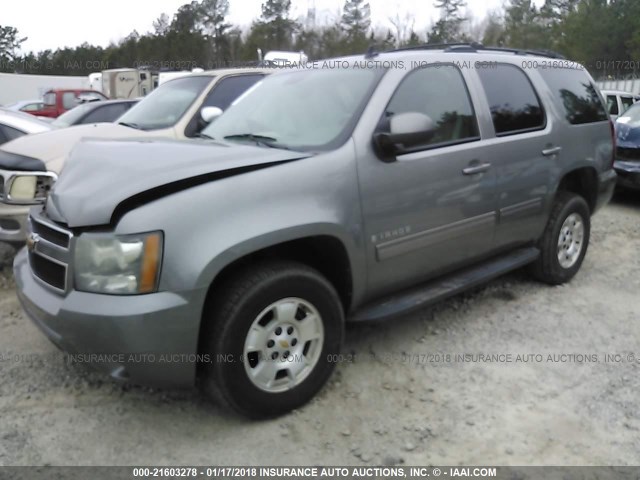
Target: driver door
x,y
432,209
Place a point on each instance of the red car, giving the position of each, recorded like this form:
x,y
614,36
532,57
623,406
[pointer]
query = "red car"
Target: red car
x,y
58,101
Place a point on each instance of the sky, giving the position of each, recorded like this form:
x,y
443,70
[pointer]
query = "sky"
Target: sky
x,y
55,24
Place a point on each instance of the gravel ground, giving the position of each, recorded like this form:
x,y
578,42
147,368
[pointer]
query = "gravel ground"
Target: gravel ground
x,y
429,407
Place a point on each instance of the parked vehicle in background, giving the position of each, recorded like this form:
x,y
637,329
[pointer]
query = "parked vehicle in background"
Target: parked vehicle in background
x,y
95,81
618,101
57,101
627,164
16,124
357,193
94,112
25,106
128,83
279,58
180,108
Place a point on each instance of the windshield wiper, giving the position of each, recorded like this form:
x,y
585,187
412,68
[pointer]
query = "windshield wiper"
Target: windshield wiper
x,y
262,140
130,125
204,135
250,136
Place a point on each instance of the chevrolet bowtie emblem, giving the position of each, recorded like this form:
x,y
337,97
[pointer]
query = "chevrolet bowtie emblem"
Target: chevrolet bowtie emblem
x,y
284,344
32,240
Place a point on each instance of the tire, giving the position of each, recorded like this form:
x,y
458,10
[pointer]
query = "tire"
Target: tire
x,y
267,310
568,230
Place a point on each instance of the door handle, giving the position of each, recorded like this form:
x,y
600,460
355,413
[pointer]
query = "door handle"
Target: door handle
x,y
549,152
479,168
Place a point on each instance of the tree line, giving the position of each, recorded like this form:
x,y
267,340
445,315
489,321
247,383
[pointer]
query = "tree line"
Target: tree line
x,y
604,35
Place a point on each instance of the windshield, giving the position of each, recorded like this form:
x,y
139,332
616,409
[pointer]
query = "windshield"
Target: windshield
x,y
163,107
631,117
72,116
305,110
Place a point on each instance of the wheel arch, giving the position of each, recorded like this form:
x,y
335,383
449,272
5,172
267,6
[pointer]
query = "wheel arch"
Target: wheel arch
x,y
582,181
327,253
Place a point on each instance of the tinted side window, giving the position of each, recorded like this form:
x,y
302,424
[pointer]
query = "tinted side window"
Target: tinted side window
x,y
441,93
105,113
228,89
612,104
11,133
515,106
574,90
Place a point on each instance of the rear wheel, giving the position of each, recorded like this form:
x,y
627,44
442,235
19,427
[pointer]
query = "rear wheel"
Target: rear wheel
x,y
565,240
273,331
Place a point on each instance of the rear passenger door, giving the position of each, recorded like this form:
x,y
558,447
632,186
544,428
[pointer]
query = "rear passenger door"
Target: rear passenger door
x,y
525,152
432,209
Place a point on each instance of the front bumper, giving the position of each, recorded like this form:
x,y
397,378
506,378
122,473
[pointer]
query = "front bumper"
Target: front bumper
x,y
146,339
628,173
13,222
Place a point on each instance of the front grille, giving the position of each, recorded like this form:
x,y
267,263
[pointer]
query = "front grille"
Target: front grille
x,y
50,272
45,232
628,153
49,251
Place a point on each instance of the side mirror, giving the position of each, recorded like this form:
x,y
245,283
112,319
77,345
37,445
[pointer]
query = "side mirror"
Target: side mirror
x,y
407,130
208,114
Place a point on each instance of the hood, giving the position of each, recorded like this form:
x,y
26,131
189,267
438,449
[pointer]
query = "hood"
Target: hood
x,y
103,179
52,145
627,135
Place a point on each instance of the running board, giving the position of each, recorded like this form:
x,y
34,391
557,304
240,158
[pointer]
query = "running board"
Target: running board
x,y
452,284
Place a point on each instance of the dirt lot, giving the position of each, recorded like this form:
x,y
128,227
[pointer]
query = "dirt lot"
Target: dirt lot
x,y
576,409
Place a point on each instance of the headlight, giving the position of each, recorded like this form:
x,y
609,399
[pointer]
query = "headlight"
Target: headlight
x,y
23,188
119,265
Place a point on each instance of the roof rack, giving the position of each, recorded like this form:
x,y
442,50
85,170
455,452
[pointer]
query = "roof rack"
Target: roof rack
x,y
475,47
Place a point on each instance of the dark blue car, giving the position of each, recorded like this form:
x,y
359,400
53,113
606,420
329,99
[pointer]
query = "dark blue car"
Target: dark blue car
x,y
627,163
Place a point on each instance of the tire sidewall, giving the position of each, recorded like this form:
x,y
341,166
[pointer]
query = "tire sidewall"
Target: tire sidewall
x,y
244,394
574,205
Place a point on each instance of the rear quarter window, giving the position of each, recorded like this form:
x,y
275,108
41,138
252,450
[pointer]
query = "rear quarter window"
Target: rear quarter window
x,y
514,104
576,93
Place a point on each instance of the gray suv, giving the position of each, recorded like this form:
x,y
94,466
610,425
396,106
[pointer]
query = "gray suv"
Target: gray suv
x,y
355,189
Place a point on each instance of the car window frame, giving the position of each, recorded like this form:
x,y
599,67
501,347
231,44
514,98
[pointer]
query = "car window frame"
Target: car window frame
x,y
622,104
613,104
522,131
423,148
191,128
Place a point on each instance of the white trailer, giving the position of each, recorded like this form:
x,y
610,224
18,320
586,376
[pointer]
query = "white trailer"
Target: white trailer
x,y
128,82
95,81
15,87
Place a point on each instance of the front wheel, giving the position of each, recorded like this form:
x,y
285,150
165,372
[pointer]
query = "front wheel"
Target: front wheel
x,y
565,240
274,329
